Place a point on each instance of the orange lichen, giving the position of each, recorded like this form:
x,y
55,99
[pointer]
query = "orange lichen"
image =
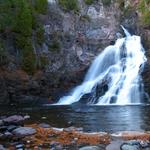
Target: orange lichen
x,y
70,136
136,135
67,137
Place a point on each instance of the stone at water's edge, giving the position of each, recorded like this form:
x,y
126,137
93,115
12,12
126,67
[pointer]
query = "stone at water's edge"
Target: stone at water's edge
x,y
1,122
90,148
44,125
24,131
2,147
115,145
14,119
44,136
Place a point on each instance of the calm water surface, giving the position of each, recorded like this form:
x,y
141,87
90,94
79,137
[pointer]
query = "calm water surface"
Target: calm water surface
x,y
91,118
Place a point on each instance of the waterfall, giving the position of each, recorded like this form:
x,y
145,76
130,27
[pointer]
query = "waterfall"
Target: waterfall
x,y
117,69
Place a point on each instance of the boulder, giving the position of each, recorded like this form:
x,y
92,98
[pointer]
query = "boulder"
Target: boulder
x,y
24,131
114,145
90,148
44,125
2,147
13,119
1,123
130,147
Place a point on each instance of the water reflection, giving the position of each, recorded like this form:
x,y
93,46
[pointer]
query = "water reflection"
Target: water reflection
x,y
91,118
112,118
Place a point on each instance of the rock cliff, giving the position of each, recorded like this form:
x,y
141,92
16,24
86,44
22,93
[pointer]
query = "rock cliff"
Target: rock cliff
x,y
73,35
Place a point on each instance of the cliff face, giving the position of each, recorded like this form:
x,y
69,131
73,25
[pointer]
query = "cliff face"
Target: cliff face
x,y
73,35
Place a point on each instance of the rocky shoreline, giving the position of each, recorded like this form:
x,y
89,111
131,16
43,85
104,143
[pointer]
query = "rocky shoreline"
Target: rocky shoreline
x,y
15,134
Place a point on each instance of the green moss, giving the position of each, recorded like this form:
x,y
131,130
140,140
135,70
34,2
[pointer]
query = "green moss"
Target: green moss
x,y
7,20
127,11
40,35
145,10
69,5
28,58
146,17
41,6
23,18
89,2
28,62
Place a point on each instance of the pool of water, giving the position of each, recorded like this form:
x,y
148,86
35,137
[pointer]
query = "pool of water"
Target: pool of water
x,y
91,118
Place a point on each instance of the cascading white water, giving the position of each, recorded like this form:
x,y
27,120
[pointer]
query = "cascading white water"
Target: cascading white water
x,y
119,65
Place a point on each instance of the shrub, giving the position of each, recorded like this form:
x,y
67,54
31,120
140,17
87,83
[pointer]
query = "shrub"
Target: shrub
x,y
7,15
69,4
40,35
144,9
20,18
89,2
28,58
23,18
41,6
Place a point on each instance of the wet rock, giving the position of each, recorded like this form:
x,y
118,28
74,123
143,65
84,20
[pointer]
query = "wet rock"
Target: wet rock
x,y
13,119
1,123
20,147
44,125
59,147
90,148
26,117
24,131
130,147
1,136
2,147
145,144
69,129
8,134
45,145
79,129
70,123
132,142
114,145
44,118
11,127
54,143
3,128
51,135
